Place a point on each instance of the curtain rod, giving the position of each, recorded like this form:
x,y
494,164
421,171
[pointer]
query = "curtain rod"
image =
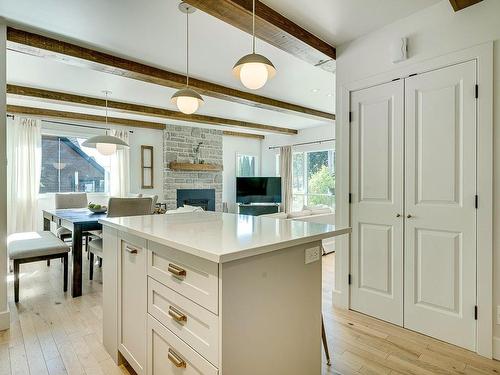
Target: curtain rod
x,y
79,125
304,143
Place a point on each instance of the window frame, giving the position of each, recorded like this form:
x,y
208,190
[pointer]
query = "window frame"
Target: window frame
x,y
256,171
55,129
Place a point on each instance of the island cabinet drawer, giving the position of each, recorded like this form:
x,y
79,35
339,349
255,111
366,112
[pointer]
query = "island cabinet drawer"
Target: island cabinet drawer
x,y
193,277
194,324
169,355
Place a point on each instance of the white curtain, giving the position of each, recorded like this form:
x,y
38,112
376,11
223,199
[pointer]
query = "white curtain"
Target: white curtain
x,y
119,176
286,178
24,164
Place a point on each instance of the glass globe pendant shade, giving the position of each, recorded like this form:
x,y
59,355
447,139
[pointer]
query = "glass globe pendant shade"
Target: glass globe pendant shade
x,y
105,144
187,100
106,149
254,70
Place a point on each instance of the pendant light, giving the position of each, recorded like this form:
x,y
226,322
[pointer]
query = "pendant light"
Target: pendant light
x,y
254,70
187,100
105,144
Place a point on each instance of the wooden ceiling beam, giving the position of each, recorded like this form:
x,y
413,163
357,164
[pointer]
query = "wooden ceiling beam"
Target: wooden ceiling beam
x,y
272,27
85,117
243,135
56,96
42,46
462,4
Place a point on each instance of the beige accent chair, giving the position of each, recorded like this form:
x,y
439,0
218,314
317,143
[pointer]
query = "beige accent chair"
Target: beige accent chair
x,y
153,197
118,207
66,201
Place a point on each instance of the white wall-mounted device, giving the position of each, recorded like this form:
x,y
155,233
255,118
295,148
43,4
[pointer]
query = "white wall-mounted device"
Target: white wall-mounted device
x,y
399,50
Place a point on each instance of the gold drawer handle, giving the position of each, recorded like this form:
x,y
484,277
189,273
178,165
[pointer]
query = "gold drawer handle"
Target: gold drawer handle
x,y
176,270
176,314
175,359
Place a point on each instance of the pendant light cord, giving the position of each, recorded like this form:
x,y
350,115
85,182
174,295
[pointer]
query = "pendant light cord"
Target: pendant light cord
x,y
253,26
187,48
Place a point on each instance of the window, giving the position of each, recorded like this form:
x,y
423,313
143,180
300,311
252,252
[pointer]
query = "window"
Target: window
x,y
69,167
246,166
313,178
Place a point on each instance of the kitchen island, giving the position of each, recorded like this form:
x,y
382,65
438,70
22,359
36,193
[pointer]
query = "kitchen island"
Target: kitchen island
x,y
213,293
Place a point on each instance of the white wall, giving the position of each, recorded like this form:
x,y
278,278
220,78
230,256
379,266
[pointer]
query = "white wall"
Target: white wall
x,y
4,310
231,146
305,135
432,32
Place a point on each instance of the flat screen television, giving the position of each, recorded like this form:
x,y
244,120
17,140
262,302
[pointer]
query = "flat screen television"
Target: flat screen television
x,y
258,190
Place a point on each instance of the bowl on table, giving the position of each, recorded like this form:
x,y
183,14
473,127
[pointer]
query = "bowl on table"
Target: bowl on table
x,y
97,209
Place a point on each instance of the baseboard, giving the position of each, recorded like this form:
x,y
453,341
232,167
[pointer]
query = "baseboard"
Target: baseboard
x,y
4,320
496,348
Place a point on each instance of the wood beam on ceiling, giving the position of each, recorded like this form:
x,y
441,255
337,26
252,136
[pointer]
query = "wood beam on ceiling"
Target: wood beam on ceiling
x,y
273,28
462,4
85,117
243,135
55,96
42,46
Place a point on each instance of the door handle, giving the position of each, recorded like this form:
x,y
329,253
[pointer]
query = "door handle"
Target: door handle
x,y
409,216
398,215
175,359
176,270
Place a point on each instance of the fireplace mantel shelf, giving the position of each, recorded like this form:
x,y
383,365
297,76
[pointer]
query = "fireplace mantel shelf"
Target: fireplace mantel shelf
x,y
198,167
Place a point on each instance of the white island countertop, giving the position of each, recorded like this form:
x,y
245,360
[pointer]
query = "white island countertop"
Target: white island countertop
x,y
222,237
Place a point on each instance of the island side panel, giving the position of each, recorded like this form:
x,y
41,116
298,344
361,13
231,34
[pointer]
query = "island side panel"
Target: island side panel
x,y
111,248
271,314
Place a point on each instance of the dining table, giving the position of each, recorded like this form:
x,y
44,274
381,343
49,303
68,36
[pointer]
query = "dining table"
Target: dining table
x,y
78,221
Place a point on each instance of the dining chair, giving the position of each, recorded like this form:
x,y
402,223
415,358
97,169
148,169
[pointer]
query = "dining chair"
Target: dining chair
x,y
118,207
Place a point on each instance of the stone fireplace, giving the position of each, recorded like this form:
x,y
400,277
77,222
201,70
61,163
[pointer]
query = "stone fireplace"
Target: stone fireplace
x,y
180,144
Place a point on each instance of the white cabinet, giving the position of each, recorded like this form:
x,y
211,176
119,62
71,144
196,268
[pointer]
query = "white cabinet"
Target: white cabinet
x,y
413,186
169,355
132,303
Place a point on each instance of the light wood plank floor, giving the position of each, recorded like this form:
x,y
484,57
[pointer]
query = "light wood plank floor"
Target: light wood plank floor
x,y
52,333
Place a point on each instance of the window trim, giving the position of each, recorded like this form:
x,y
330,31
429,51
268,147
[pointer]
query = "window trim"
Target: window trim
x,y
238,154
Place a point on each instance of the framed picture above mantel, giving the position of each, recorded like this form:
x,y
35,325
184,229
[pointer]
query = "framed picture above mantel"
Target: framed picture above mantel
x,y
147,171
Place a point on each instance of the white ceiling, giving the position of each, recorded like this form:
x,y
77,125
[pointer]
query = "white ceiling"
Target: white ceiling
x,y
339,21
153,32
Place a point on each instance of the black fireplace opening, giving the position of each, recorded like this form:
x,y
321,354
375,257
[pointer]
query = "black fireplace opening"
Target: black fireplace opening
x,y
204,198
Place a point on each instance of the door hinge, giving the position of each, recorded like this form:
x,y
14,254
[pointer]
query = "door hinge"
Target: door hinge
x,y
349,279
476,201
476,91
350,198
350,116
475,312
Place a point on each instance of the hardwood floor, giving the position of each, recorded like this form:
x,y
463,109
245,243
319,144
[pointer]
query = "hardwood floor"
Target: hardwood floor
x,y
52,333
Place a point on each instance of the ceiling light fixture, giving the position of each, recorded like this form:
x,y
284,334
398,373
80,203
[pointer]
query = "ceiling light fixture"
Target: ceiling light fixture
x,y
187,100
314,90
253,69
105,144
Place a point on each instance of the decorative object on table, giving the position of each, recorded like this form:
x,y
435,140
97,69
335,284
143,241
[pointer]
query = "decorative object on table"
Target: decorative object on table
x,y
253,70
105,144
187,100
97,208
147,176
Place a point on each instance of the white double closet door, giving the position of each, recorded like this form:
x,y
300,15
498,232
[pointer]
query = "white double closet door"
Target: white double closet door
x,y
413,216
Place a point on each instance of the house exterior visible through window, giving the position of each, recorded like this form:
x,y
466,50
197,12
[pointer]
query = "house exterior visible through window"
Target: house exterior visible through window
x,y
246,166
69,167
313,178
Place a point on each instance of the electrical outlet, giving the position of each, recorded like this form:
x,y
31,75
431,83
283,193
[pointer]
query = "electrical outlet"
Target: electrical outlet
x,y
312,255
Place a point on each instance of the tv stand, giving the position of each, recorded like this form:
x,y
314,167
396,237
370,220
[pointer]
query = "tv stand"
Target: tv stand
x,y
257,209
